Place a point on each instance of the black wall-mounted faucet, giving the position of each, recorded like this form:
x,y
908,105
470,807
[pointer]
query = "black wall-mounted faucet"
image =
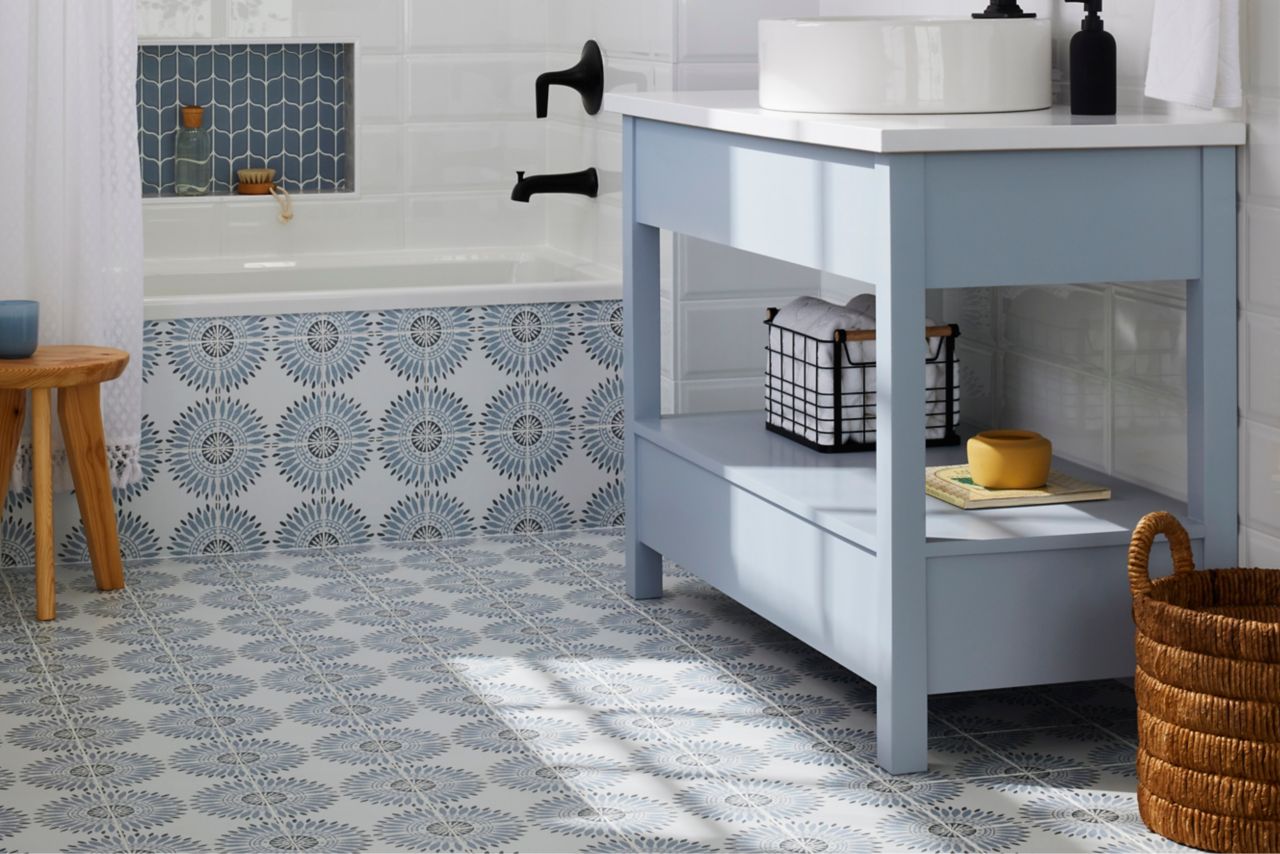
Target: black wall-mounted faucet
x,y
586,78
585,183
1003,9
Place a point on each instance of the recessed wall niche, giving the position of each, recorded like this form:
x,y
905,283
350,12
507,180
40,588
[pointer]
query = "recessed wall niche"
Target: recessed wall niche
x,y
287,106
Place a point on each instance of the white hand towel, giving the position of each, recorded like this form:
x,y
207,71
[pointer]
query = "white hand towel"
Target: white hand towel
x,y
797,363
1195,53
819,318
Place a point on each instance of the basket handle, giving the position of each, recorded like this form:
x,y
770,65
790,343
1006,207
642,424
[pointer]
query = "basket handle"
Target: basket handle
x,y
1140,549
949,331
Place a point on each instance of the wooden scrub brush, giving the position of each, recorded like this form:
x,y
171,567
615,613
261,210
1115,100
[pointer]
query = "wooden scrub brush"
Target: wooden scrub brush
x,y
262,182
256,182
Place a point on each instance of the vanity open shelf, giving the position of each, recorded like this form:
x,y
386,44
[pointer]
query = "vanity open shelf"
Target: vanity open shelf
x,y
838,492
845,551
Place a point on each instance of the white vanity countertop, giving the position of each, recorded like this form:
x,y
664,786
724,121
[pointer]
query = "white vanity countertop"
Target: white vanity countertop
x,y
1055,128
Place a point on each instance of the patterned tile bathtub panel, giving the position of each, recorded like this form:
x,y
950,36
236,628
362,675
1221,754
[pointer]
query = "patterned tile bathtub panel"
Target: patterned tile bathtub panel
x,y
284,105
322,430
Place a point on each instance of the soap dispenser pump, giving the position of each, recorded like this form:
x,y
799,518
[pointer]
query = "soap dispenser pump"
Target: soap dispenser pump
x,y
1093,65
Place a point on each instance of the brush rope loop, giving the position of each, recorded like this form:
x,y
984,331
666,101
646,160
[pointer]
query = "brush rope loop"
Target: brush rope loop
x,y
282,196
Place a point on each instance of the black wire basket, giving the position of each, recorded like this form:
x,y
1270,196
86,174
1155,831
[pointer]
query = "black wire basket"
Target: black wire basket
x,y
815,390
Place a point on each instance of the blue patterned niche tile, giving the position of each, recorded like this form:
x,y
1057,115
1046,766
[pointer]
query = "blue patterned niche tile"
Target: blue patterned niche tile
x,y
286,106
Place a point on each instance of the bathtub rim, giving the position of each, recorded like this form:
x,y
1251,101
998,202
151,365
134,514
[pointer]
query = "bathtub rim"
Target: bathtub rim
x,y
598,282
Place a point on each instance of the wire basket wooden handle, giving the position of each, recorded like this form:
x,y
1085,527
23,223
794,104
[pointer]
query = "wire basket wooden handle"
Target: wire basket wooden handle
x,y
929,332
949,330
1140,549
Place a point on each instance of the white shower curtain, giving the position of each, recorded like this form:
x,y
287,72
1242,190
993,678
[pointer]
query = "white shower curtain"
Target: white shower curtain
x,y
70,208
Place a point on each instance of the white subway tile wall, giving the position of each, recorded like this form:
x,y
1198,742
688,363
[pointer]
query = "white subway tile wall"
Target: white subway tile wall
x,y
716,355
1260,290
444,101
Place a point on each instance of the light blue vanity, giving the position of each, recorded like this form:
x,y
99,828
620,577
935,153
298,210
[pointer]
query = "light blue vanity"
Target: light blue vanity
x,y
845,551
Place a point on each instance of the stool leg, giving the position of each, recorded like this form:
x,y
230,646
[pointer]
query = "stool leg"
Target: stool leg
x,y
80,414
13,409
42,487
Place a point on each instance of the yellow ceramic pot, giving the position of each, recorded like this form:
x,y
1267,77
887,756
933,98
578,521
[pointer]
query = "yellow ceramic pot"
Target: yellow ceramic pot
x,y
1010,459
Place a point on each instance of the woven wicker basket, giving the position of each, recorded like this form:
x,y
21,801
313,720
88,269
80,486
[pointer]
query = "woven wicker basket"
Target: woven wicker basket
x,y
1208,686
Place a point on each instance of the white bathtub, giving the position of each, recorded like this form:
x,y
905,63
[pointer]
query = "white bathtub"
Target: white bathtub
x,y
374,282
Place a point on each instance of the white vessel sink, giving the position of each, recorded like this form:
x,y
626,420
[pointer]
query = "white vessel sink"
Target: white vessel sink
x,y
905,65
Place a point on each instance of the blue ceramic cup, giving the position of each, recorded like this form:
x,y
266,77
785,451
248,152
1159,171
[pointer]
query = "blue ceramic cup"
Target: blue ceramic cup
x,y
19,328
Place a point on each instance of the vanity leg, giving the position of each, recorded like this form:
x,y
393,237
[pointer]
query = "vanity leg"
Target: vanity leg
x,y
902,701
642,363
644,570
1212,414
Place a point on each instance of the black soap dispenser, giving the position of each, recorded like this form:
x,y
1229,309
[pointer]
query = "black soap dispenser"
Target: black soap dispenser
x,y
1093,65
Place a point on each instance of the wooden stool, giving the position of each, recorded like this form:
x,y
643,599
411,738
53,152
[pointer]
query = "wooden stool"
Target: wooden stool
x,y
77,373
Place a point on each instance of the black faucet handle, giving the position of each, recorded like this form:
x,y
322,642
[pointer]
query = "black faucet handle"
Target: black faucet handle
x,y
586,78
1004,9
543,87
519,174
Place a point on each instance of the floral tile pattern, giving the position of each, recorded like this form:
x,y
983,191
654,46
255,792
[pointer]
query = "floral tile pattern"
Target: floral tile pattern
x,y
499,693
334,429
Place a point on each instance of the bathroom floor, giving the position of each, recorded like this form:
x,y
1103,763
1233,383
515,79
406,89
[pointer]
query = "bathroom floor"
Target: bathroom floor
x,y
502,694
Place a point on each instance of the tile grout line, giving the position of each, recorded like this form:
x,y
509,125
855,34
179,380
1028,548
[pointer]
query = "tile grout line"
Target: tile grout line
x,y
359,721
98,786
1015,730
973,736
222,736
1092,723
1133,834
636,707
1124,832
490,710
372,542
524,379
220,395
263,554
920,811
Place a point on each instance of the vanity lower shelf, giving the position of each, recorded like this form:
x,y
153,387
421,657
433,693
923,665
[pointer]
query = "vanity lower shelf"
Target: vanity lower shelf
x,y
1016,596
837,491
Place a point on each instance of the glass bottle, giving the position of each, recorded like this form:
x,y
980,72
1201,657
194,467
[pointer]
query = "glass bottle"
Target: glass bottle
x,y
193,164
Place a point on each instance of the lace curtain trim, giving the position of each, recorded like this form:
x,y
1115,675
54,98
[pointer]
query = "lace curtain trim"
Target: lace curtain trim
x,y
123,461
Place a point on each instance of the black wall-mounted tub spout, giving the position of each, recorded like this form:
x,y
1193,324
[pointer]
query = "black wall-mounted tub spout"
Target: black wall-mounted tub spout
x,y
586,78
585,183
1003,9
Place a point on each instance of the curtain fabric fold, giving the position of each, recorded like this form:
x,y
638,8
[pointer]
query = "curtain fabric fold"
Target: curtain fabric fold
x,y
71,214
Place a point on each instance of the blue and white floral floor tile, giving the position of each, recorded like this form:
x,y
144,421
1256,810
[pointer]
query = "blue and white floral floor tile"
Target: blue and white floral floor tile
x,y
502,694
